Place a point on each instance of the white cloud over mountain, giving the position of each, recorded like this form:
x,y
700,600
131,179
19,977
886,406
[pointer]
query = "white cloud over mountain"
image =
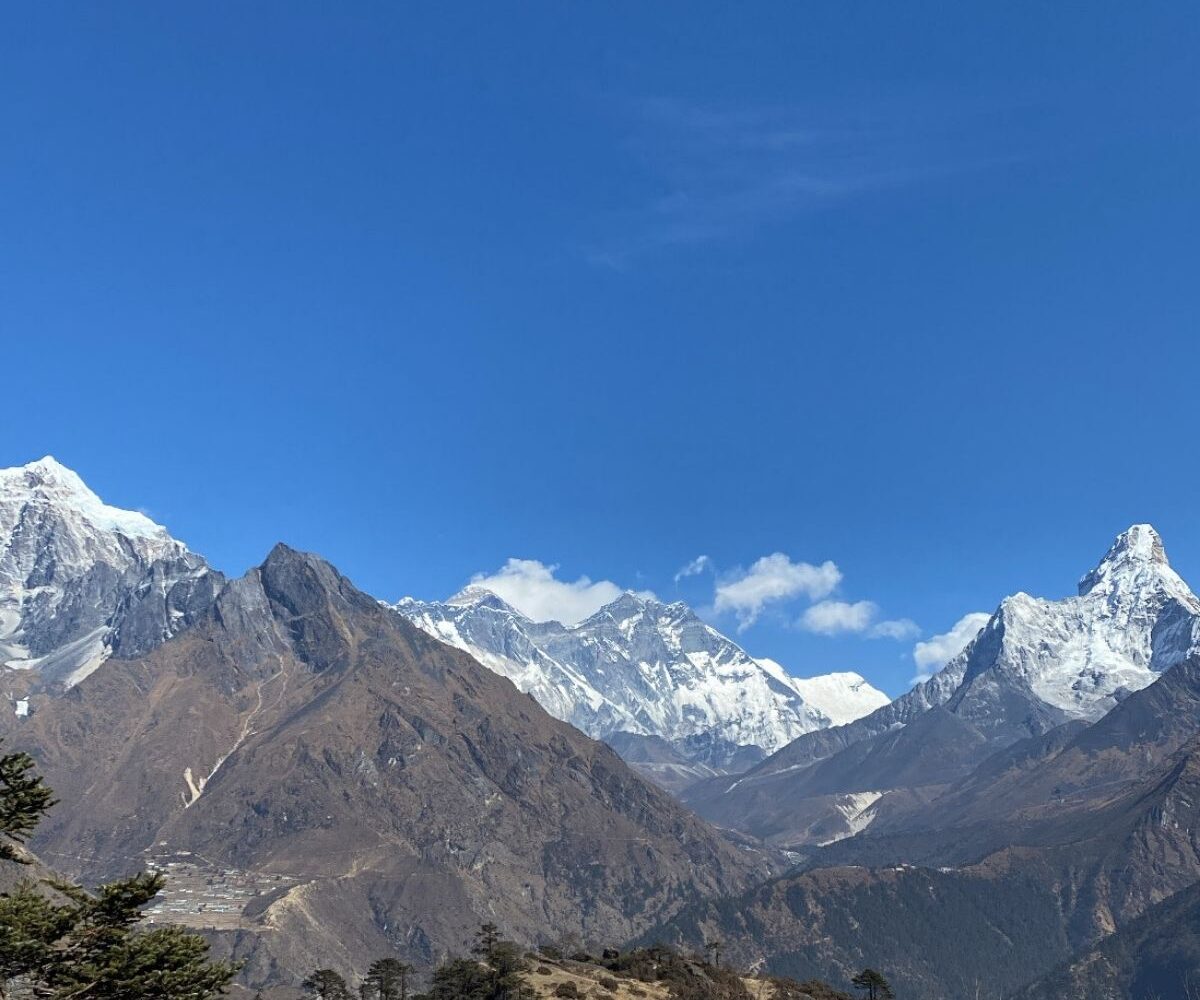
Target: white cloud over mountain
x,y
772,579
532,588
895,628
935,652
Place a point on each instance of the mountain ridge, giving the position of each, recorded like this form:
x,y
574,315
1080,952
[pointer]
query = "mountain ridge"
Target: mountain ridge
x,y
1034,666
640,667
339,766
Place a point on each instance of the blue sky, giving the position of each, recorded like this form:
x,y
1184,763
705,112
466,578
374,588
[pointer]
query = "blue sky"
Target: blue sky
x,y
911,289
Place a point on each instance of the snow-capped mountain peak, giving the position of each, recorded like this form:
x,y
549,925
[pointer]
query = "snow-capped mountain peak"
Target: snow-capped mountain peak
x,y
842,695
1133,618
1136,562
642,667
48,488
628,605
474,596
80,578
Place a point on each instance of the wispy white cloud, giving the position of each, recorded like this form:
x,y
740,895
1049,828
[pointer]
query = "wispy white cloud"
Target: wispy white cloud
x,y
841,617
895,628
777,580
772,579
935,652
724,171
836,617
697,566
532,588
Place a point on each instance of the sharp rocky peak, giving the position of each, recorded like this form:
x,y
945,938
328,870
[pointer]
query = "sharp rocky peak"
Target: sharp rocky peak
x,y
631,604
626,606
293,599
1134,618
1136,560
304,583
474,596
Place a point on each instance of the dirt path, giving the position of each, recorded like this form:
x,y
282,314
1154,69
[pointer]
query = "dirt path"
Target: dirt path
x,y
195,788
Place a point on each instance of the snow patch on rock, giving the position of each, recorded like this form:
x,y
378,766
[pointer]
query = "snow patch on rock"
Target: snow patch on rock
x,y
857,809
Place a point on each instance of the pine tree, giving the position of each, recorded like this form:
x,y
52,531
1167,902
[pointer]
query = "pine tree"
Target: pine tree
x,y
459,979
507,968
486,938
714,947
30,927
873,984
87,946
24,800
387,979
501,978
498,973
325,984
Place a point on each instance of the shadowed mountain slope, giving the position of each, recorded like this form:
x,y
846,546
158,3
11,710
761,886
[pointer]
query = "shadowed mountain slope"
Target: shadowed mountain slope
x,y
1156,956
1001,915
1041,790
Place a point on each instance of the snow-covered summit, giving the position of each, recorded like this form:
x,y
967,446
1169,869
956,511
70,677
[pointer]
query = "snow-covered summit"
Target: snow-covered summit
x,y
842,695
1135,561
51,484
80,579
644,667
1133,618
474,595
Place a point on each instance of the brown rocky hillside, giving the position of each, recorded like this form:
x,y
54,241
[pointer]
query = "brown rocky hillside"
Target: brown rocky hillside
x,y
325,783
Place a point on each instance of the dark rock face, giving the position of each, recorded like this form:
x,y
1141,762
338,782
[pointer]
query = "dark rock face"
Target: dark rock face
x,y
168,597
401,791
932,932
126,611
1039,788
